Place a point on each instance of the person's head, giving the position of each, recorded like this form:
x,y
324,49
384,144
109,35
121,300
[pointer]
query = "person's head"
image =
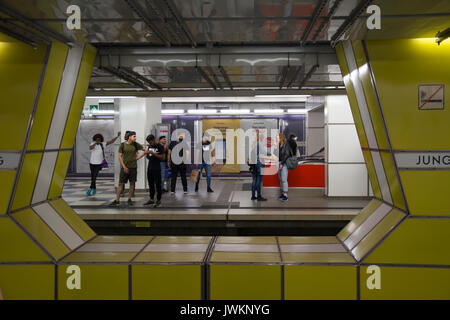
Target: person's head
x,y
98,138
205,138
151,140
125,137
181,137
131,136
162,140
292,137
281,139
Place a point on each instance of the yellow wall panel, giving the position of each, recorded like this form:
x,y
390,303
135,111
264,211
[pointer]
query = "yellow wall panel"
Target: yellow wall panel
x,y
42,233
166,282
73,219
78,97
47,99
7,181
400,66
27,282
59,175
16,246
401,283
372,174
245,282
377,233
27,180
320,283
98,282
427,192
416,241
392,178
358,220
371,98
20,70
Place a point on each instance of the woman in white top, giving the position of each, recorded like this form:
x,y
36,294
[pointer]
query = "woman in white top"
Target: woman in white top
x,y
97,156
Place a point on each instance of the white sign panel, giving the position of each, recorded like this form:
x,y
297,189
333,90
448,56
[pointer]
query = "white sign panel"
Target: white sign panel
x,y
9,160
431,97
431,160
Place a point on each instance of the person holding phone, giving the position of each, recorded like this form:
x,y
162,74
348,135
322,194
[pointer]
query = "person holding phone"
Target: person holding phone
x,y
97,149
155,155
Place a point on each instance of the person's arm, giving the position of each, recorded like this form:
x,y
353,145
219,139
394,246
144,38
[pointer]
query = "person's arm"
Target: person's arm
x,y
197,155
141,155
113,140
125,169
92,146
169,154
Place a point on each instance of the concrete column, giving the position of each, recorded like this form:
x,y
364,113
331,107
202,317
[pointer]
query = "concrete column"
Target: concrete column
x,y
140,115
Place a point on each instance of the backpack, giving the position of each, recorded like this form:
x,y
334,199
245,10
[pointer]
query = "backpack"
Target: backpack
x,y
292,161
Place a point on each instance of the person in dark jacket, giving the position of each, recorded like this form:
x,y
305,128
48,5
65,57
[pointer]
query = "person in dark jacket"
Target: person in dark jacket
x,y
293,143
284,152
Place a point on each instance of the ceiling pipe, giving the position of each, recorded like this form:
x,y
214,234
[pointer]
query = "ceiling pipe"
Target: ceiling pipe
x,y
139,77
140,13
317,11
326,20
308,75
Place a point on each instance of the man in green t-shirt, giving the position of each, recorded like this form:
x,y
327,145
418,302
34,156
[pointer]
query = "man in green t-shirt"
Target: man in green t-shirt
x,y
128,165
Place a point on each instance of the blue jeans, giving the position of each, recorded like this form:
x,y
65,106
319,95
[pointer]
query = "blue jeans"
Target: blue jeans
x,y
208,173
283,176
257,179
163,166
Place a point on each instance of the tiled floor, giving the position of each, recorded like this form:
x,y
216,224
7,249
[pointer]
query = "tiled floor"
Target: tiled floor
x,y
228,194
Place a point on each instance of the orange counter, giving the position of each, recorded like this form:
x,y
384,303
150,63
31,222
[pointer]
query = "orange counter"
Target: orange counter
x,y
305,176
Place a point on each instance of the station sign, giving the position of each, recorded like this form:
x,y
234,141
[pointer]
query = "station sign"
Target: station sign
x,y
9,160
423,160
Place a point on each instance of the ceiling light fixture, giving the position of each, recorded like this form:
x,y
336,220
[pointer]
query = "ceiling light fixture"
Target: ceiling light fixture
x,y
172,111
268,111
202,111
442,35
235,111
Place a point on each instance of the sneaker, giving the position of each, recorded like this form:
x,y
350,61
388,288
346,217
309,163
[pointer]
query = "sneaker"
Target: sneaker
x,y
210,190
196,187
149,202
164,191
158,203
130,202
253,198
88,193
172,192
261,199
114,203
283,198
94,192
185,192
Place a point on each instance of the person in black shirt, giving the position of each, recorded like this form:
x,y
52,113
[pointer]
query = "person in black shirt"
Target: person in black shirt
x,y
207,156
155,154
293,143
178,167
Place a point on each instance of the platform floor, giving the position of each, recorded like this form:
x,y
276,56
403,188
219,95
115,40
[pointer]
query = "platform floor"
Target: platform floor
x,y
229,202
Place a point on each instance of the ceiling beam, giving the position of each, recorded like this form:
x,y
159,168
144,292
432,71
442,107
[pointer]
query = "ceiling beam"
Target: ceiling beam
x,y
284,74
205,76
140,13
214,93
111,49
225,76
354,15
294,76
317,11
180,22
211,72
308,75
141,78
327,19
30,23
120,74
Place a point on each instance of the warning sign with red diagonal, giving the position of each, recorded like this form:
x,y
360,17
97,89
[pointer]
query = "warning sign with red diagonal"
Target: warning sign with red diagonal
x,y
431,97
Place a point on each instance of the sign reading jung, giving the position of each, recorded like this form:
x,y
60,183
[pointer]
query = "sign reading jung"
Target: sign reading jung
x,y
432,160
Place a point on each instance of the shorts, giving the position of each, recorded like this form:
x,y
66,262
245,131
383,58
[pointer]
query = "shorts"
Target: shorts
x,y
131,175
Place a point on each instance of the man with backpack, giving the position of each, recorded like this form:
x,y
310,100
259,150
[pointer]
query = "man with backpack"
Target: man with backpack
x,y
128,165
